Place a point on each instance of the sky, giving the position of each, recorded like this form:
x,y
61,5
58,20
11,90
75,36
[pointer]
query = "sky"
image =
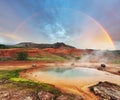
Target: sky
x,y
89,24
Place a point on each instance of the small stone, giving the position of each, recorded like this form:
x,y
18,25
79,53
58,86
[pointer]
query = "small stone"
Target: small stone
x,y
4,94
46,95
28,98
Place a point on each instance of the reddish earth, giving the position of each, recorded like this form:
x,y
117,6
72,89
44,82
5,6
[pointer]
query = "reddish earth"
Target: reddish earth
x,y
11,65
35,51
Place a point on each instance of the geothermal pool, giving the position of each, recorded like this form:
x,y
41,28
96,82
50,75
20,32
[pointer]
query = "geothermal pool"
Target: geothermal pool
x,y
77,72
72,79
72,75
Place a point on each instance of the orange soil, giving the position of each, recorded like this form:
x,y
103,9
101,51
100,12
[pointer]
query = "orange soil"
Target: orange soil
x,y
11,65
71,86
82,90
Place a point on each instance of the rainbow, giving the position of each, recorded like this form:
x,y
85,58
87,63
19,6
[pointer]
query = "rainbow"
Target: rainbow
x,y
105,32
107,35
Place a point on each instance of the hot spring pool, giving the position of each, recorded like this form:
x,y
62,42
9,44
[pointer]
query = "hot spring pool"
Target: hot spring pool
x,y
71,79
70,72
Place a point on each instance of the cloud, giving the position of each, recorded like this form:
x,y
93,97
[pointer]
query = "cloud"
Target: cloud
x,y
56,32
117,45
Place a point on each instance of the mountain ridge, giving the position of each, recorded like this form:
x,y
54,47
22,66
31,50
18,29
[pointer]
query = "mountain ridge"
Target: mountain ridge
x,y
42,46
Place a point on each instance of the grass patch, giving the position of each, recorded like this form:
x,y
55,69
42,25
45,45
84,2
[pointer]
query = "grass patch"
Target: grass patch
x,y
18,79
7,74
35,86
14,81
47,58
6,59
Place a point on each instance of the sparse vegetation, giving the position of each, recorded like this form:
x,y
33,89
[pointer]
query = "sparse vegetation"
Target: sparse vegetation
x,y
47,58
22,56
5,58
77,58
7,74
117,61
10,82
2,46
13,79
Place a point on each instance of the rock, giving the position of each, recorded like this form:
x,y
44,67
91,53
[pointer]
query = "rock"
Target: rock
x,y
28,98
62,97
46,96
4,94
4,81
33,65
106,91
103,65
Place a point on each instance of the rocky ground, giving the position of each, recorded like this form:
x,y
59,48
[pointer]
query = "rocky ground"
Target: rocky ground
x,y
25,94
14,88
106,91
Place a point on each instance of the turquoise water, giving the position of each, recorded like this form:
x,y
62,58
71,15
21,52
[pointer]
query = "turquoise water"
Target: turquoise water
x,y
71,72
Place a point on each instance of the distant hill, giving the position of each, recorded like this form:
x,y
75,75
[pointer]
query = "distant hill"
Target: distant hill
x,y
58,51
42,46
2,46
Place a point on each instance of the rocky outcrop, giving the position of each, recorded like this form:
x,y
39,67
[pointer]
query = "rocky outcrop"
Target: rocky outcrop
x,y
106,91
10,90
8,94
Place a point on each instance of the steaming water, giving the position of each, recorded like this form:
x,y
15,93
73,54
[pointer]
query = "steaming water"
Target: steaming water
x,y
70,72
69,79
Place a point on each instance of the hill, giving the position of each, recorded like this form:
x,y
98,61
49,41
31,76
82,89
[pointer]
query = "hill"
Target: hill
x,y
57,52
42,46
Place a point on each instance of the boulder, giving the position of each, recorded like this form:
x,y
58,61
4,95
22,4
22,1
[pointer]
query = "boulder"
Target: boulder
x,y
106,91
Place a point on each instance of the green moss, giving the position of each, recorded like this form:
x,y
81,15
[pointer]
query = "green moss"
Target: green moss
x,y
14,81
28,84
7,74
18,79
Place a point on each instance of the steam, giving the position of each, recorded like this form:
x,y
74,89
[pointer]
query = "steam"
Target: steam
x,y
117,45
97,57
